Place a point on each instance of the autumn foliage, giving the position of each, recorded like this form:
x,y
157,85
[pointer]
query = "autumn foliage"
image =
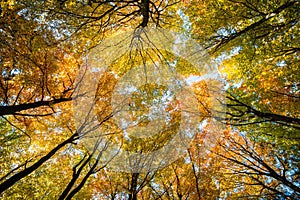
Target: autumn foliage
x,y
246,141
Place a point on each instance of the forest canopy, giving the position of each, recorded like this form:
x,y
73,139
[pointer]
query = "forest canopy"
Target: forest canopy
x,y
149,99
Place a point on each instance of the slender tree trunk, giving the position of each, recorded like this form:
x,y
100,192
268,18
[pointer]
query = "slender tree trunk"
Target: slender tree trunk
x,y
12,180
75,176
145,9
133,187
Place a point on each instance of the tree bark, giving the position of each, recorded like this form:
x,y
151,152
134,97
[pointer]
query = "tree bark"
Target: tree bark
x,y
145,9
13,109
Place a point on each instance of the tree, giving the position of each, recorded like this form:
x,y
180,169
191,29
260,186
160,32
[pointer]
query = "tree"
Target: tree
x,y
34,72
259,169
256,44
